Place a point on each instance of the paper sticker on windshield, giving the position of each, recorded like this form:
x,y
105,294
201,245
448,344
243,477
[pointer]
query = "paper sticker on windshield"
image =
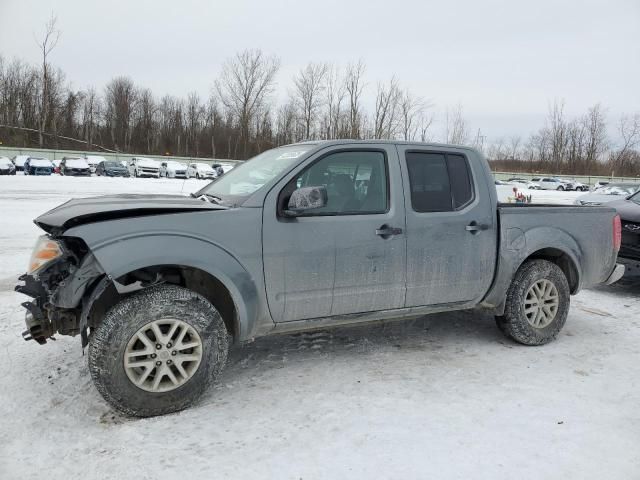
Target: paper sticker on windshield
x,y
294,154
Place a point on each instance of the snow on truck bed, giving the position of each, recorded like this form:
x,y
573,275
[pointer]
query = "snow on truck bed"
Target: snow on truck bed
x,y
444,396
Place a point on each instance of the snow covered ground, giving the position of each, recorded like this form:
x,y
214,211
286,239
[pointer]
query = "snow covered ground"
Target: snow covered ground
x,y
445,396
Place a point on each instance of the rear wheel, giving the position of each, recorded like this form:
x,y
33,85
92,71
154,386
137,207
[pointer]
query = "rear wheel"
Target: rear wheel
x,y
537,303
157,351
560,187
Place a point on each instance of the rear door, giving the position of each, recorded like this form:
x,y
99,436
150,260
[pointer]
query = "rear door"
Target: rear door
x,y
348,257
451,232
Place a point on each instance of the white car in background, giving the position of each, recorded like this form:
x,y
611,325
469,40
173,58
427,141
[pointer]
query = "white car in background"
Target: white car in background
x,y
94,161
575,185
549,183
172,169
6,166
144,167
201,171
18,161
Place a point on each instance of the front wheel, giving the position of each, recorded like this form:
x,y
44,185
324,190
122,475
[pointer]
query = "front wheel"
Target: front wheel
x,y
537,303
157,351
560,187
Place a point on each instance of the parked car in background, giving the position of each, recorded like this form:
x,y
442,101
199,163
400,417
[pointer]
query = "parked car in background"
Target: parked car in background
x,y
38,166
609,193
573,184
218,168
157,285
6,166
18,161
56,166
600,184
629,211
201,171
74,167
111,168
548,183
144,167
519,181
94,161
172,169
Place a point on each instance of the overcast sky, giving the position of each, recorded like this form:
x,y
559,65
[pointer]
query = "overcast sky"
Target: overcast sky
x,y
504,61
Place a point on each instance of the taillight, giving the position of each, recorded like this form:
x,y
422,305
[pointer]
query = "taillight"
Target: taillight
x,y
617,233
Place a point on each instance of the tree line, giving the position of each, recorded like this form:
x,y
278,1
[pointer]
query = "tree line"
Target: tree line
x,y
241,117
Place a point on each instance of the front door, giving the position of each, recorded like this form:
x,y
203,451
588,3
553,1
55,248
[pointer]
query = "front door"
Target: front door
x,y
451,230
347,257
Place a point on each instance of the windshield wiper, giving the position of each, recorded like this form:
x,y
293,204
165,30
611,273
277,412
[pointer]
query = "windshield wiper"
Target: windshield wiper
x,y
207,197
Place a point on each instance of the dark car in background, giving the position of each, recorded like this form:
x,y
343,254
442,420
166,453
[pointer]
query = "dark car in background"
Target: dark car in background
x,y
110,168
629,211
7,167
218,168
74,167
38,166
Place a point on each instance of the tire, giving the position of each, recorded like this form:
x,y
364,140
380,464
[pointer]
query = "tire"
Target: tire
x,y
114,336
560,188
514,323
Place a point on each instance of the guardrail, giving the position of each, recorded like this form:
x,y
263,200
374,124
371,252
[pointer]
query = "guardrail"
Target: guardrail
x,y
58,154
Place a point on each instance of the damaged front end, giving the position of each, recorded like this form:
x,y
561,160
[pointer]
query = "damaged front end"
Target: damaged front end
x,y
60,273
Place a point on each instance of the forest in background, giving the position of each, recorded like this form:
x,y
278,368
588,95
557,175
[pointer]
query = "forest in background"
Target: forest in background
x,y
241,117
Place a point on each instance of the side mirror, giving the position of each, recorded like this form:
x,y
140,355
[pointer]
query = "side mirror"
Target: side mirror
x,y
306,198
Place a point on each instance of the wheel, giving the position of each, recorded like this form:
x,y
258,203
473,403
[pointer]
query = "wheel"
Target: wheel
x,y
197,176
157,351
537,303
560,187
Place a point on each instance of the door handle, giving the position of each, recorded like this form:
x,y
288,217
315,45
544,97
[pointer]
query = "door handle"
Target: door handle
x,y
475,227
385,231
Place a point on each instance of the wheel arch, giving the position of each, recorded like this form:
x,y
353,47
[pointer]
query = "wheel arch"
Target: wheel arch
x,y
545,243
190,262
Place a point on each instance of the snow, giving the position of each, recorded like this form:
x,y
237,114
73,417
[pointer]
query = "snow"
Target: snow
x,y
444,396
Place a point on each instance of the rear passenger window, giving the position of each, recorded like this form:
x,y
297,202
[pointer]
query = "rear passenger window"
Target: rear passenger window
x,y
460,180
439,182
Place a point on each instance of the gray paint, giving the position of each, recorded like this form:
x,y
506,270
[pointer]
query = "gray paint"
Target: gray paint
x,y
288,274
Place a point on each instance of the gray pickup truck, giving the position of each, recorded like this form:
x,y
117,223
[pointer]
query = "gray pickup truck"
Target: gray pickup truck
x,y
304,236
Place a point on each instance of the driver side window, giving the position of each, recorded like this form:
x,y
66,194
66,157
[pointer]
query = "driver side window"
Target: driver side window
x,y
356,182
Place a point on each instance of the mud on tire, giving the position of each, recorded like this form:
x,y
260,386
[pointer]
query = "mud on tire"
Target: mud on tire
x,y
514,323
110,340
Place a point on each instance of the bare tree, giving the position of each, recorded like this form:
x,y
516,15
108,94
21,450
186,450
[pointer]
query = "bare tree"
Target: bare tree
x,y
354,85
387,109
309,85
46,44
245,82
335,92
629,132
120,97
412,111
457,131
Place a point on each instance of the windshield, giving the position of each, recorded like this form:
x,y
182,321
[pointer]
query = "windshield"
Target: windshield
x,y
238,184
635,198
113,165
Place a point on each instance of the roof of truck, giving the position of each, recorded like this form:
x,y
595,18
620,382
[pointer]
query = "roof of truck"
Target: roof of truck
x,y
375,141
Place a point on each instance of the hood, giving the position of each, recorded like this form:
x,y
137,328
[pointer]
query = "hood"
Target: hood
x,y
628,210
599,198
88,210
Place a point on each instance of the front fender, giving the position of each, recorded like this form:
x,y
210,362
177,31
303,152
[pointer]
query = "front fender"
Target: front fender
x,y
123,254
517,246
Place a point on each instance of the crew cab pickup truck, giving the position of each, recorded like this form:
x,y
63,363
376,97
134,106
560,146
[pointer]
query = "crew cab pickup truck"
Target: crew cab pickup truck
x,y
304,236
